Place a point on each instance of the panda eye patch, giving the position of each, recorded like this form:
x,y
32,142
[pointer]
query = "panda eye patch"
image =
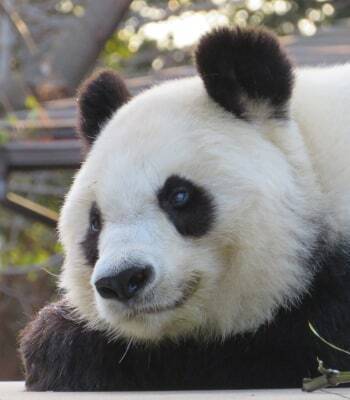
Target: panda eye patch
x,y
187,205
90,243
95,219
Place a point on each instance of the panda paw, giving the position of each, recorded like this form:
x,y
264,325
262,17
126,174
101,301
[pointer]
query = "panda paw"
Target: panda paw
x,y
47,348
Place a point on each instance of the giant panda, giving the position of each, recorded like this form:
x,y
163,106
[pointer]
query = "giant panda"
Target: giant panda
x,y
207,227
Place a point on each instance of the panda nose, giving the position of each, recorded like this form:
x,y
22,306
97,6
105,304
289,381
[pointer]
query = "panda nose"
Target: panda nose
x,y
126,284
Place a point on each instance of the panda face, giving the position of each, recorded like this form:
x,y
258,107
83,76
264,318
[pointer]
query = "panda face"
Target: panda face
x,y
182,219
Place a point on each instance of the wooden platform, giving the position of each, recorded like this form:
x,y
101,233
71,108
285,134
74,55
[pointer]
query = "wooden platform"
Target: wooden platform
x,y
15,391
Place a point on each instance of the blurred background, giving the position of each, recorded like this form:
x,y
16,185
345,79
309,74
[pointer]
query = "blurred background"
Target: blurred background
x,y
47,47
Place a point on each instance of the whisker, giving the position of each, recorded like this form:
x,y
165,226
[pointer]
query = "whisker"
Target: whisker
x,y
126,351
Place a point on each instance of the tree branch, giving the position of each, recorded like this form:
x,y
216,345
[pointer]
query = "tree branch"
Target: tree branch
x,y
61,69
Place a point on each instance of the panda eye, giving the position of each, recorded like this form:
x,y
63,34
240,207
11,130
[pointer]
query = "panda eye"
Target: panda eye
x,y
187,205
179,198
95,220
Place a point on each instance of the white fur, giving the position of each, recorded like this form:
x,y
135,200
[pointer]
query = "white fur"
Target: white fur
x,y
269,179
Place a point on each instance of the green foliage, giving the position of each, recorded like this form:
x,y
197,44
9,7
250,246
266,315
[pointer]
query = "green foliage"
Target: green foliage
x,y
24,242
4,137
11,118
115,52
33,245
32,103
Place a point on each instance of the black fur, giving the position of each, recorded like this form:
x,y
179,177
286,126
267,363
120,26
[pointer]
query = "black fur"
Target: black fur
x,y
239,65
99,97
197,216
90,243
60,354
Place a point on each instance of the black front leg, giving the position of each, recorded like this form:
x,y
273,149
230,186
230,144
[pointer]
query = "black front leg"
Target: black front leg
x,y
61,354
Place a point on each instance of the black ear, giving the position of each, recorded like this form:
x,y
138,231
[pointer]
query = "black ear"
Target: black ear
x,y
98,98
245,68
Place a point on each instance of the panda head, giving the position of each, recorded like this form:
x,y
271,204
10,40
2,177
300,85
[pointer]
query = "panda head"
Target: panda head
x,y
190,215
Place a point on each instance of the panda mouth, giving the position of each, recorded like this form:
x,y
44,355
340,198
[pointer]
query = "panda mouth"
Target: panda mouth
x,y
188,291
